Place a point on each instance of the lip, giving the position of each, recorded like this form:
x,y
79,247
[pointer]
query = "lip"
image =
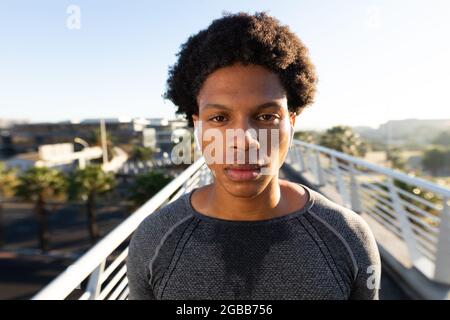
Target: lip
x,y
243,172
243,167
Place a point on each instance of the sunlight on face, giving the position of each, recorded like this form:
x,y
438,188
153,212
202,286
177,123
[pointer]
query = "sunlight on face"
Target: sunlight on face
x,y
240,102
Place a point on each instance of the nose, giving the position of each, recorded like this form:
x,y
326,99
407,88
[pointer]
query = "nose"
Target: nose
x,y
244,137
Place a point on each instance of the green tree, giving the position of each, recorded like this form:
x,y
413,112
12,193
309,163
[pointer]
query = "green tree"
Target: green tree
x,y
8,181
306,136
147,185
343,139
436,160
395,159
140,153
87,184
39,184
443,139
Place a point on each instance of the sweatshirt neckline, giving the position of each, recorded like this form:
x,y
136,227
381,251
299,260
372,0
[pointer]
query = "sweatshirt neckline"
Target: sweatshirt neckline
x,y
288,216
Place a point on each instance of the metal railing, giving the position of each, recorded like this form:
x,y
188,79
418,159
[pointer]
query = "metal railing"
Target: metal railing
x,y
420,219
415,210
101,272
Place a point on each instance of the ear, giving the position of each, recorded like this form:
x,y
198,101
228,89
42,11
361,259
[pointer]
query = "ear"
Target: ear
x,y
292,117
195,118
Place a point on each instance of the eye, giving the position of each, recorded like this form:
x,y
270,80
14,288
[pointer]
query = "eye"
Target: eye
x,y
267,117
218,118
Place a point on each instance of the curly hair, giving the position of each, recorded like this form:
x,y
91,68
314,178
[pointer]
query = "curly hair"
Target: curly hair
x,y
257,39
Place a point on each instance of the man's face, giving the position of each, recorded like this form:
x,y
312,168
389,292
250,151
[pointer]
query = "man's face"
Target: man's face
x,y
244,118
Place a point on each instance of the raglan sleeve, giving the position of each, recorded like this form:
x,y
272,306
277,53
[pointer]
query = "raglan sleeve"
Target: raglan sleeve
x,y
137,264
367,282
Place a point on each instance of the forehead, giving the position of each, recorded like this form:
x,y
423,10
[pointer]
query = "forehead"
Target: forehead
x,y
241,86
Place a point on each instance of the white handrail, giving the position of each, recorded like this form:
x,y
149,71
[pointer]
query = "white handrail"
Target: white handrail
x,y
71,278
416,218
385,171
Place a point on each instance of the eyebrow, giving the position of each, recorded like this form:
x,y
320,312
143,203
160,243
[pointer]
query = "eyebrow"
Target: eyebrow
x,y
261,106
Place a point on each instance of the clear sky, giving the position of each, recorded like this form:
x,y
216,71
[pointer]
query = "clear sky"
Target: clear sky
x,y
376,60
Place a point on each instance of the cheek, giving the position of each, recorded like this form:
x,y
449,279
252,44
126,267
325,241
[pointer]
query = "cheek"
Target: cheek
x,y
278,143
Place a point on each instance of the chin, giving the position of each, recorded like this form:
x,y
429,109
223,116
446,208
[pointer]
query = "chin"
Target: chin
x,y
245,189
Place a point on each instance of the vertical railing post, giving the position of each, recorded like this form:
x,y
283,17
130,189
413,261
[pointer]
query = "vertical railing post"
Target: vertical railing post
x,y
309,166
293,157
95,284
354,190
405,224
319,171
442,267
299,157
202,177
340,182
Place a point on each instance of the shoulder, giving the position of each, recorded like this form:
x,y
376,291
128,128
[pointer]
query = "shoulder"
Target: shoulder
x,y
339,224
351,243
158,226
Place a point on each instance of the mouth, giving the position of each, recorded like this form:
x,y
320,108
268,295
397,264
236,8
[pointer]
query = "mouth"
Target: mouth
x,y
243,172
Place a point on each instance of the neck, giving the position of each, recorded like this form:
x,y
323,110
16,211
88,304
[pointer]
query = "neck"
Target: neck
x,y
265,205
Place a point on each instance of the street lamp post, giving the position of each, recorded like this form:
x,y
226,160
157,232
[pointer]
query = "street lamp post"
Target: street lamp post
x,y
81,161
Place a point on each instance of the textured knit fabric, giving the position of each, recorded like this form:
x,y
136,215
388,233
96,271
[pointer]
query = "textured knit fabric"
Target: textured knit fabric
x,y
322,251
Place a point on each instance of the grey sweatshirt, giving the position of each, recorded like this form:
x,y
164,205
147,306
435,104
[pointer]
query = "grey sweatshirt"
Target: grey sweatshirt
x,y
322,251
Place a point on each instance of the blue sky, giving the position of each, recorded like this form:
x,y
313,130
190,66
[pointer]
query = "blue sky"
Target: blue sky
x,y
376,60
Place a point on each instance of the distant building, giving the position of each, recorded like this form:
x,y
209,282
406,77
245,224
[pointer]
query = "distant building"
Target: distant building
x,y
164,133
27,137
6,149
60,155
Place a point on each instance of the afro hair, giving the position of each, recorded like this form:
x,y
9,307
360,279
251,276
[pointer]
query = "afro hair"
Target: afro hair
x,y
257,39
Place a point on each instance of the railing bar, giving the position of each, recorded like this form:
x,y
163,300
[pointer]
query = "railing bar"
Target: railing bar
x,y
419,199
376,207
193,185
85,296
124,294
383,221
343,167
118,290
393,221
425,252
180,192
384,171
419,233
433,237
114,265
377,197
380,205
423,224
68,280
386,219
421,211
375,188
111,284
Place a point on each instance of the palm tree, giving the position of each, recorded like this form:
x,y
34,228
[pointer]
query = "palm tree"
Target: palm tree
x,y
140,153
39,184
8,181
147,185
87,184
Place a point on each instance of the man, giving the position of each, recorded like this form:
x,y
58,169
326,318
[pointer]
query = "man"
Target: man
x,y
249,234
